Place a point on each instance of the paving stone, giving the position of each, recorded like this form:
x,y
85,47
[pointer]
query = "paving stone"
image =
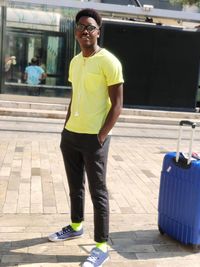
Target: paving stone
x,y
36,207
34,202
10,208
5,171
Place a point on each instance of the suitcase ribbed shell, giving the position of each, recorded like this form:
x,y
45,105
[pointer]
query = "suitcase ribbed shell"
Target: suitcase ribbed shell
x,y
179,200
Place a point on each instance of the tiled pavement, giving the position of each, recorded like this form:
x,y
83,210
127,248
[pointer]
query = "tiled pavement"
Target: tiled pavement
x,y
34,202
34,198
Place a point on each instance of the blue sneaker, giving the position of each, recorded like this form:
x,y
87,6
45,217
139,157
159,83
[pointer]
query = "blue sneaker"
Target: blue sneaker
x,y
96,259
66,233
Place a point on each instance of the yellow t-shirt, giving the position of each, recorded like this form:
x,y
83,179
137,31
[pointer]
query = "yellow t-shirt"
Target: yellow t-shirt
x,y
90,78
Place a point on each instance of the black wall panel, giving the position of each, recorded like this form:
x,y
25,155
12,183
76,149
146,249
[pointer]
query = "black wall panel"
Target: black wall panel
x,y
161,64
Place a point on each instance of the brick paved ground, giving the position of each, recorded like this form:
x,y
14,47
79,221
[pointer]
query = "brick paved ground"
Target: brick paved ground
x,y
34,202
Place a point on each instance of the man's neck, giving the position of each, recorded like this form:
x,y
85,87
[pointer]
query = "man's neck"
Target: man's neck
x,y
90,51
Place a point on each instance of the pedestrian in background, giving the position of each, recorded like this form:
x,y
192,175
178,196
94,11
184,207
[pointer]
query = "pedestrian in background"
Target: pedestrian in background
x,y
96,103
34,74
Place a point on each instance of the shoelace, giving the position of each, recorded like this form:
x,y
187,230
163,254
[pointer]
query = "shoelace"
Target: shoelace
x,y
64,231
92,258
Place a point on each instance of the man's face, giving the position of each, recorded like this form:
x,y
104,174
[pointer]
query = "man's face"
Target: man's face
x,y
87,32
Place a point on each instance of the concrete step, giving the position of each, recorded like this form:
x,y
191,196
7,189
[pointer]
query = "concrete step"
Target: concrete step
x,y
33,105
134,116
56,108
29,112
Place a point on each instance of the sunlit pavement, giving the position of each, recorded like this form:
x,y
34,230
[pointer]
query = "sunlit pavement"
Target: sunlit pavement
x,y
34,199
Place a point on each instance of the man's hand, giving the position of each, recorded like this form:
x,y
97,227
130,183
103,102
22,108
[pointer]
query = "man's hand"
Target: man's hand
x,y
116,98
101,138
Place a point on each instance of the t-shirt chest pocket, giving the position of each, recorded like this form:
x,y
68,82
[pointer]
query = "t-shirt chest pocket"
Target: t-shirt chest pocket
x,y
93,81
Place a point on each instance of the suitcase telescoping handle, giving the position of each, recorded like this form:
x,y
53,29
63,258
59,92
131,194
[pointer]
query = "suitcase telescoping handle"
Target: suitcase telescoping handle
x,y
193,126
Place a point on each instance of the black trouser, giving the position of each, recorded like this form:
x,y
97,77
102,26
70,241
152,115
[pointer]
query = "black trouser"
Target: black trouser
x,y
83,152
33,90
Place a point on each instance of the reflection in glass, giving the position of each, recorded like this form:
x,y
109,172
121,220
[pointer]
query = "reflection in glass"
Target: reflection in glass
x,y
47,35
23,48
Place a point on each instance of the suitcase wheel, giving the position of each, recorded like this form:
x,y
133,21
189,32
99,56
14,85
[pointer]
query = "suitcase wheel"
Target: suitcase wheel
x,y
161,230
196,248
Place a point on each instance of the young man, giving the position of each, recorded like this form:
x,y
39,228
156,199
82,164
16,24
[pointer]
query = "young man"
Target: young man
x,y
96,103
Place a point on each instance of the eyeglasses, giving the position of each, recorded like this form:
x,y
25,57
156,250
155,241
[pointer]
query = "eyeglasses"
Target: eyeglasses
x,y
82,27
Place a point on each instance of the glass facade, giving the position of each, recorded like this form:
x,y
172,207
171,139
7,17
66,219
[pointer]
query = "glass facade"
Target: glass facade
x,y
30,30
41,32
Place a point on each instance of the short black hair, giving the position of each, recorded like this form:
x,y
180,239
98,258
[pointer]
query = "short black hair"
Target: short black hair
x,y
88,12
34,60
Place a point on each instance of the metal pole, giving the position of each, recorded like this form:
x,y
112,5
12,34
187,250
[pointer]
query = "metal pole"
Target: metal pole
x,y
3,4
137,3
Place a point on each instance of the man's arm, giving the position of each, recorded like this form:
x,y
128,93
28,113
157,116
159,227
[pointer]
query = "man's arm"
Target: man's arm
x,y
44,75
68,113
116,98
68,110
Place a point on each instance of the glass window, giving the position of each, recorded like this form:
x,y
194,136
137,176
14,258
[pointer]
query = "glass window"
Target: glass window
x,y
20,49
54,60
47,35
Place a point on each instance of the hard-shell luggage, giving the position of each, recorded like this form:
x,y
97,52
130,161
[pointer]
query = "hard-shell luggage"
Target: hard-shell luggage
x,y
179,195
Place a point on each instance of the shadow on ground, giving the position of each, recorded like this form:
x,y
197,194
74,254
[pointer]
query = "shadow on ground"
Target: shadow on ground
x,y
148,244
136,245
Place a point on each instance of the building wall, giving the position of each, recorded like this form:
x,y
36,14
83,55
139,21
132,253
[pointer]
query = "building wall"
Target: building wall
x,y
50,37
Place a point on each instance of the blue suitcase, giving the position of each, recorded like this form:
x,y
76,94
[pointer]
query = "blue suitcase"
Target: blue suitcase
x,y
179,195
